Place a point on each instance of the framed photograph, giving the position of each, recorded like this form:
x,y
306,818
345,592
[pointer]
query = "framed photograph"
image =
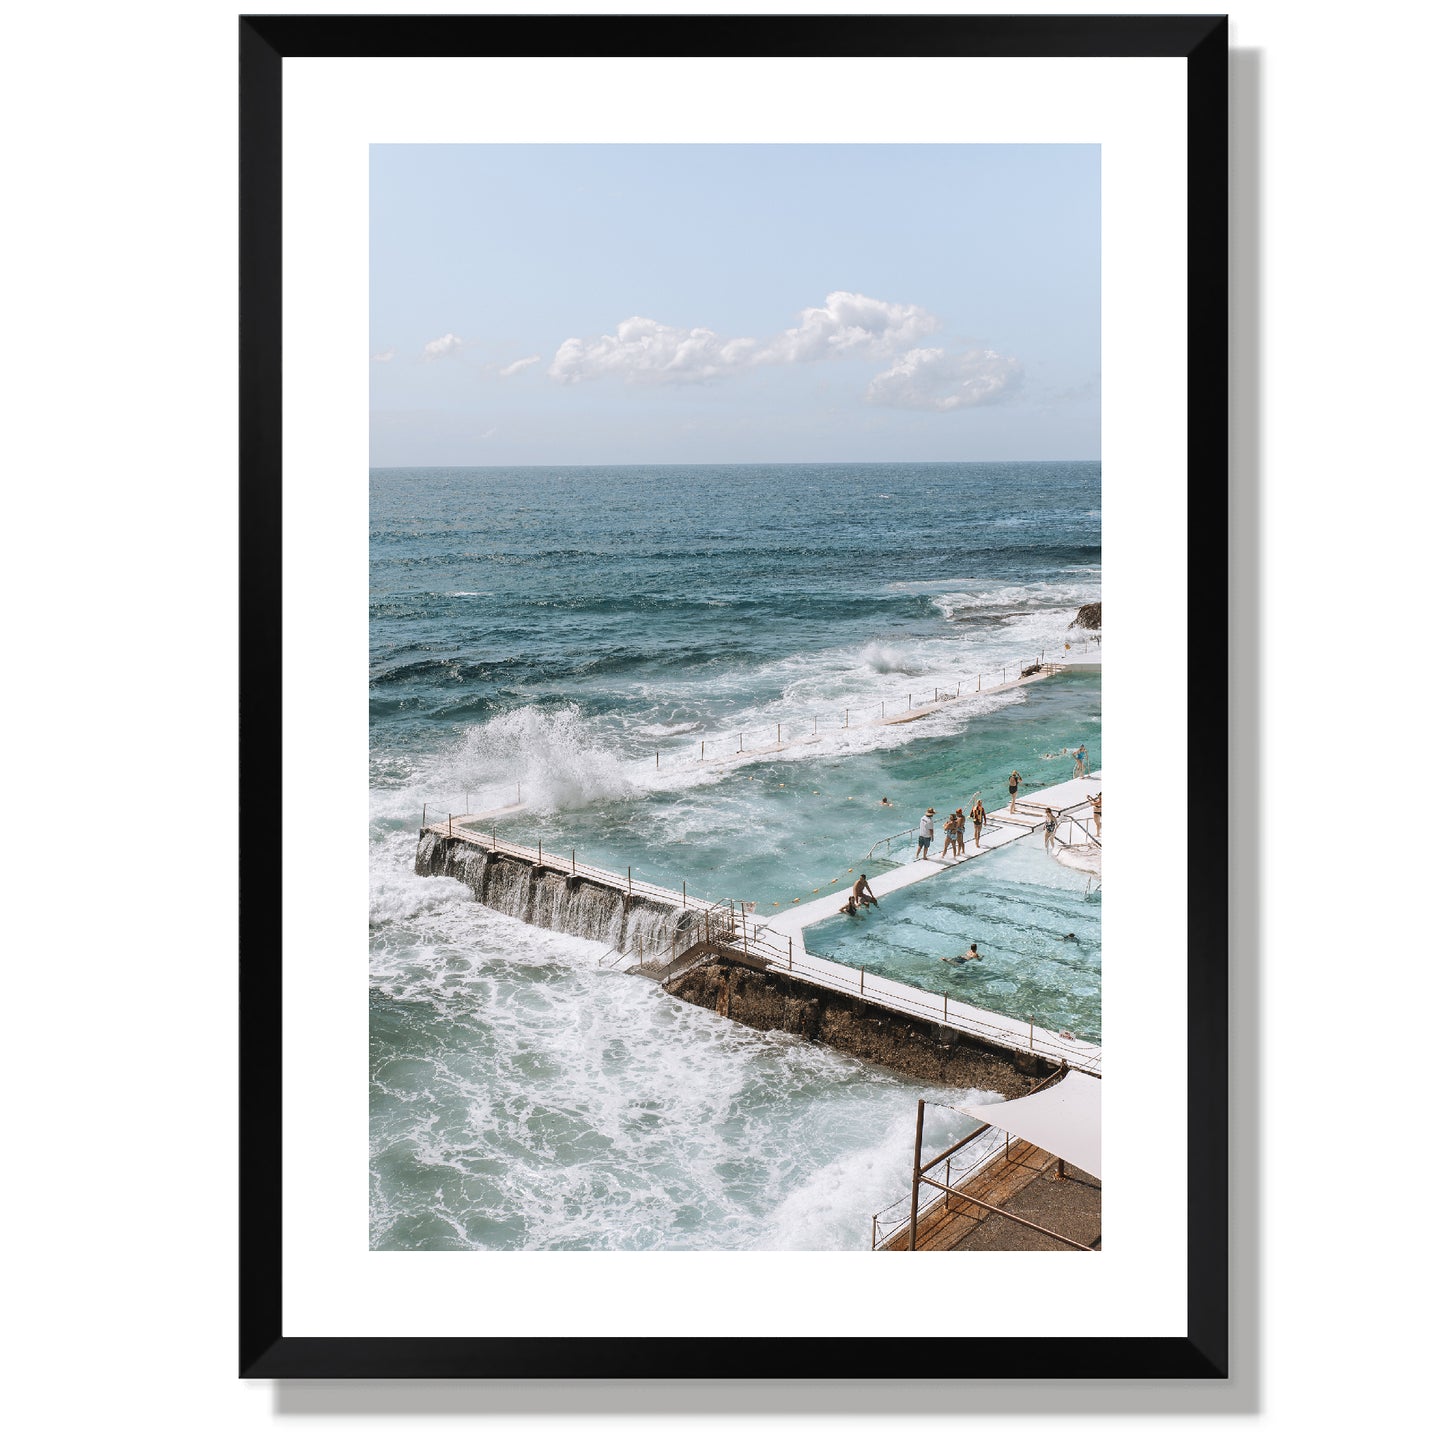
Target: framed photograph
x,y
683,464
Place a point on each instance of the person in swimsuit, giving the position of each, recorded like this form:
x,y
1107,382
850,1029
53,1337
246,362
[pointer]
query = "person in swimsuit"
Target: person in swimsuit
x,y
979,814
972,956
1014,779
862,894
1080,758
1097,799
1051,826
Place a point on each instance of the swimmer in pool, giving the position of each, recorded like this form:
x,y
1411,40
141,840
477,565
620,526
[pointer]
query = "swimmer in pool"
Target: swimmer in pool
x,y
972,956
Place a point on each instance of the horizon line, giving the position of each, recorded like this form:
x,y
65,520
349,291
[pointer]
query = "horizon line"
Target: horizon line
x,y
897,462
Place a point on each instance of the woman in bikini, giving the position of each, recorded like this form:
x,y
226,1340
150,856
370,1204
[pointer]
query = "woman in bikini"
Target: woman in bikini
x,y
1098,801
1014,779
1051,826
979,814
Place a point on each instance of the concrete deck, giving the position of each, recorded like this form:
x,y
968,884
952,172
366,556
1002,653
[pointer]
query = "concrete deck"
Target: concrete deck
x,y
1024,1185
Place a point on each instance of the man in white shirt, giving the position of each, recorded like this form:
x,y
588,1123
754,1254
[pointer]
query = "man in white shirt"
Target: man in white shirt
x,y
925,835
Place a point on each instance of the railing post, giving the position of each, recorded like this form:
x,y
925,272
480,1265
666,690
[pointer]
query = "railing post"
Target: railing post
x,y
740,742
790,953
539,852
684,892
1031,1033
423,817
945,1008
519,790
629,880
980,682
467,801
780,734
845,717
860,983
574,862
917,1172
702,749
657,755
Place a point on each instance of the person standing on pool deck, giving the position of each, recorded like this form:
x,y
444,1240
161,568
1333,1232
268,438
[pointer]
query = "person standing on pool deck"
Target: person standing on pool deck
x,y
1051,825
1097,799
1014,779
978,814
950,835
1080,757
925,836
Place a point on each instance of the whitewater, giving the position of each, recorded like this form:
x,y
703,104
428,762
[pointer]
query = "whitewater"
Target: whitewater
x,y
571,636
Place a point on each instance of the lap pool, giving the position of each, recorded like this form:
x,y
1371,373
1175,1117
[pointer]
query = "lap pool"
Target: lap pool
x,y
1019,906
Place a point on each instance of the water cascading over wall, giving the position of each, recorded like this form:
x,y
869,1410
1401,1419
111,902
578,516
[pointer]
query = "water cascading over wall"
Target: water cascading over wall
x,y
549,899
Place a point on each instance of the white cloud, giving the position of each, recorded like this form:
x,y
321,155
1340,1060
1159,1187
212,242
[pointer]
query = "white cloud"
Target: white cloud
x,y
386,355
929,379
849,322
448,345
517,366
645,350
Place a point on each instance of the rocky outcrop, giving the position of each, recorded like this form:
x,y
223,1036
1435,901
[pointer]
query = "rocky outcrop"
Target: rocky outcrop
x,y
1090,618
934,1052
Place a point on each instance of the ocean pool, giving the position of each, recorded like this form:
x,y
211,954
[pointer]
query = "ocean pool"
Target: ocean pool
x,y
1037,925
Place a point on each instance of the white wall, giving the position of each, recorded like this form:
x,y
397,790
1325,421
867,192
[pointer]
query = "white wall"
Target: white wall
x,y
119,585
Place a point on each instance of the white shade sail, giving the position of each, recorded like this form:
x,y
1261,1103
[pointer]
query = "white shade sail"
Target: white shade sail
x,y
1064,1119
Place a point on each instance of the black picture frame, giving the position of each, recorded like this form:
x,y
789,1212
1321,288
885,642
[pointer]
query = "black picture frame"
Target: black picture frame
x,y
267,40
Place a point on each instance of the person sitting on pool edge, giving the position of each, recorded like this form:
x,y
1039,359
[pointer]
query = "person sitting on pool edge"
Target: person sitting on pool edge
x,y
972,956
861,896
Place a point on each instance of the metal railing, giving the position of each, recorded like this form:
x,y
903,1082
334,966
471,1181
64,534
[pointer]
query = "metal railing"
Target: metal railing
x,y
539,857
945,1192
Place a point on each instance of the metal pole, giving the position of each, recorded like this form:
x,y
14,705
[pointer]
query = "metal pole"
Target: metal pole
x,y
883,709
423,817
980,682
684,892
658,755
449,825
629,880
790,952
780,734
910,702
945,1008
1031,1033
467,801
740,742
917,1175
845,717
702,749
539,852
935,694
574,862
519,790
860,983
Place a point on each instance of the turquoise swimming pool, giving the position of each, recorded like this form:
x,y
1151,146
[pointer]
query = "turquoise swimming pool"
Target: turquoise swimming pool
x,y
1036,923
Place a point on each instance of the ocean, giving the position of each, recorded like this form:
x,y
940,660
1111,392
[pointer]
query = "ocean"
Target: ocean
x,y
600,642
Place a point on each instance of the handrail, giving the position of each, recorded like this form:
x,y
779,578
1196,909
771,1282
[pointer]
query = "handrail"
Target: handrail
x,y
906,833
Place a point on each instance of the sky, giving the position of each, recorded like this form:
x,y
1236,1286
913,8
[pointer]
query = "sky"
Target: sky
x,y
553,305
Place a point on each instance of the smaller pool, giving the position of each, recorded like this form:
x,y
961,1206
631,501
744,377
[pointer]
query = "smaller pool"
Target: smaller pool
x,y
1036,924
